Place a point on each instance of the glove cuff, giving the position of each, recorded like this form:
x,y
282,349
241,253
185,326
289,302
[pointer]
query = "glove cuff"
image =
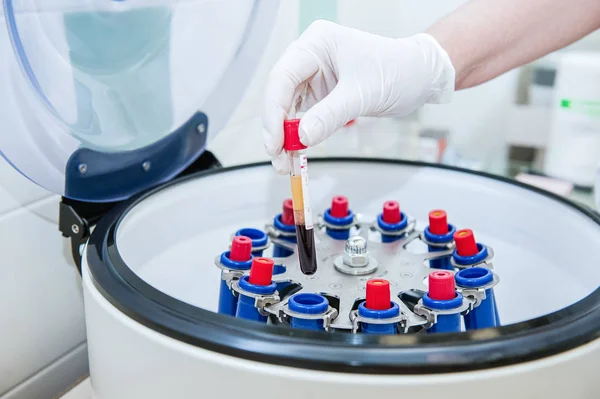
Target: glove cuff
x,y
442,71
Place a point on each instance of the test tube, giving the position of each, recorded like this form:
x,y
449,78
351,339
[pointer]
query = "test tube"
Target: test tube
x,y
302,212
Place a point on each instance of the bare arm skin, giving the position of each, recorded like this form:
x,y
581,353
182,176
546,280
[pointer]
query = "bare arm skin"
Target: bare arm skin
x,y
485,38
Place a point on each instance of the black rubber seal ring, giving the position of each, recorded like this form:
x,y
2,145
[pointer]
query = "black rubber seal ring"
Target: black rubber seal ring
x,y
552,334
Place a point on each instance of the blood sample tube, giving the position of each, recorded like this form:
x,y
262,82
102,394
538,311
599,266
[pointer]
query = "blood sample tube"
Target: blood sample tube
x,y
258,283
260,239
305,233
437,236
484,315
470,253
238,259
380,307
284,224
338,218
442,295
310,305
391,220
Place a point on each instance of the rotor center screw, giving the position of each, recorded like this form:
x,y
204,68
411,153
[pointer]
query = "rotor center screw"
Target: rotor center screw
x,y
356,253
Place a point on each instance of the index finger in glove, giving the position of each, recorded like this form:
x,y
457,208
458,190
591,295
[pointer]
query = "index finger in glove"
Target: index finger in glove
x,y
284,86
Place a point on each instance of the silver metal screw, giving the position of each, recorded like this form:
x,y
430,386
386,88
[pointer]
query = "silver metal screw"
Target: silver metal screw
x,y
356,253
146,166
83,168
201,128
75,229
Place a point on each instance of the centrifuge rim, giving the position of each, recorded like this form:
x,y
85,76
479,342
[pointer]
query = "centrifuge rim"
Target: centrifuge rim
x,y
545,336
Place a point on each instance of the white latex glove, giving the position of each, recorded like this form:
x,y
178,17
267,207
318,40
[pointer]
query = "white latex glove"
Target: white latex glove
x,y
337,74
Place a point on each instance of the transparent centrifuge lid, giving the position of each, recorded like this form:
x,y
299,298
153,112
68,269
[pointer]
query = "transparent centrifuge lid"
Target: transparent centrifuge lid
x,y
104,98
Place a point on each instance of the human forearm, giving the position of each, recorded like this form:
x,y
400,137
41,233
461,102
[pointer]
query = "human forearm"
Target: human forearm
x,y
485,38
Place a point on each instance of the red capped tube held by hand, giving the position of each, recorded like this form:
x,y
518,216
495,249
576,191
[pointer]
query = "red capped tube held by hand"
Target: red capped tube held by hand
x,y
305,235
291,136
261,272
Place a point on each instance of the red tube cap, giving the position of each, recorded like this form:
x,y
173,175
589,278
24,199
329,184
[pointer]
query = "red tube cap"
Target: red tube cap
x,y
391,212
291,138
339,207
378,294
441,286
465,243
287,217
261,272
241,249
438,222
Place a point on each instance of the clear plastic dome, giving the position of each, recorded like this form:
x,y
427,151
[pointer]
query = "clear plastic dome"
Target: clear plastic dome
x,y
92,83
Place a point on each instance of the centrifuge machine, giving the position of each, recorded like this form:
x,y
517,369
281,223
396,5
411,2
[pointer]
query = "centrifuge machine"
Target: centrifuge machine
x,y
431,281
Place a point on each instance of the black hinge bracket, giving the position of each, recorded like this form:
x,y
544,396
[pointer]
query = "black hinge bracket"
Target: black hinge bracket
x,y
77,218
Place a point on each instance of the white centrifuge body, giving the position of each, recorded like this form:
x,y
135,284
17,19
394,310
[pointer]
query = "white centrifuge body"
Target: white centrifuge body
x,y
183,226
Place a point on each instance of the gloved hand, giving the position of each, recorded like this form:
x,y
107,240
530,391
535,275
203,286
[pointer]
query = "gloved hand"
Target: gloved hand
x,y
337,74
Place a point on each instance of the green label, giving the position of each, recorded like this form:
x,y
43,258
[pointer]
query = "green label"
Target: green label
x,y
589,108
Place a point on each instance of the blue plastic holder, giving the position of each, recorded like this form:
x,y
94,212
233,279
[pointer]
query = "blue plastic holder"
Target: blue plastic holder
x,y
446,323
471,260
227,300
484,315
371,328
308,304
278,250
259,238
338,234
246,309
391,228
443,239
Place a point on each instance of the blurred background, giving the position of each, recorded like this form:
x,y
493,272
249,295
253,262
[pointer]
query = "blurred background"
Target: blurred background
x,y
503,127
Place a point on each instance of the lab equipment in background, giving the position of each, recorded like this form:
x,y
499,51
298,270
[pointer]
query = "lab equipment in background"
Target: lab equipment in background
x,y
597,188
555,186
305,234
574,147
